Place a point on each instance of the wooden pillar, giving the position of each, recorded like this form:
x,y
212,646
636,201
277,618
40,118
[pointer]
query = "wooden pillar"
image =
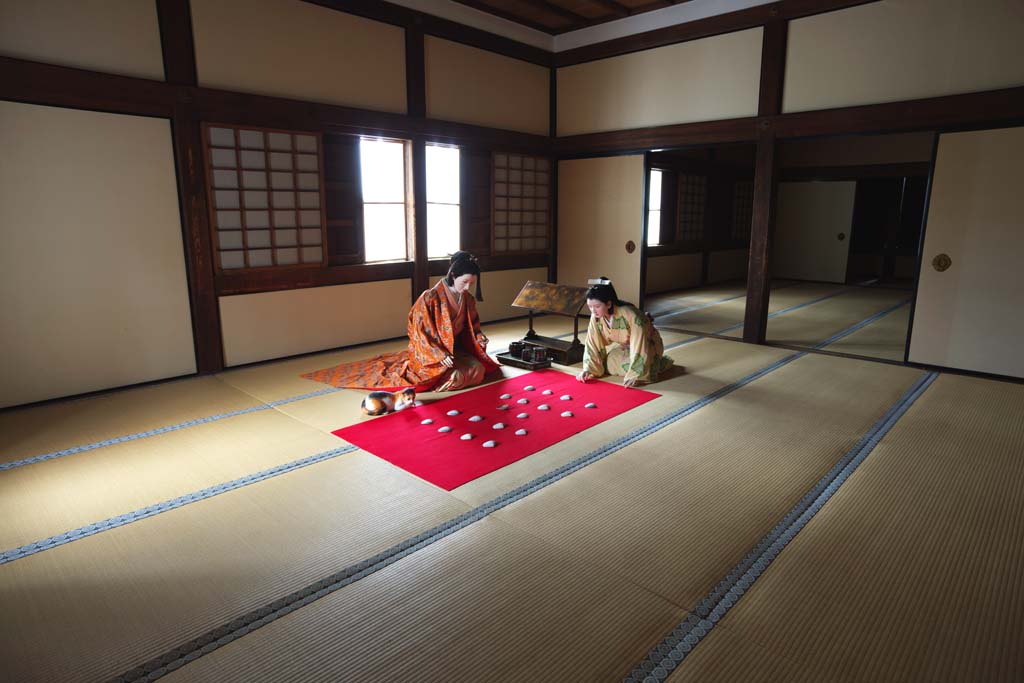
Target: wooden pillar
x,y
773,68
755,319
553,205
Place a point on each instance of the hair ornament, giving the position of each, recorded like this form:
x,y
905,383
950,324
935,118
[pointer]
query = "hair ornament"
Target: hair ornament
x,y
599,281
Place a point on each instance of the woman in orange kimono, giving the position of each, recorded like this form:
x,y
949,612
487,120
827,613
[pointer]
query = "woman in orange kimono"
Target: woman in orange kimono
x,y
447,351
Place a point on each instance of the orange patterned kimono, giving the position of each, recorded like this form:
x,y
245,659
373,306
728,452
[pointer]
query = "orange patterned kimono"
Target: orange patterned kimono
x,y
432,338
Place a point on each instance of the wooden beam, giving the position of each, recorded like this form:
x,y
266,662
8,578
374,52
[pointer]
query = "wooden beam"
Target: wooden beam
x,y
900,170
755,319
703,28
175,20
415,73
435,26
644,139
557,10
484,7
773,67
249,282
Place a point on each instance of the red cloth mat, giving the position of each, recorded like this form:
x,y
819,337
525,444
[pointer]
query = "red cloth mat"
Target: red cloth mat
x,y
446,460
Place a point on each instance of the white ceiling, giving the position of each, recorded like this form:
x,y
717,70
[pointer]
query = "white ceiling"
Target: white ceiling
x,y
639,23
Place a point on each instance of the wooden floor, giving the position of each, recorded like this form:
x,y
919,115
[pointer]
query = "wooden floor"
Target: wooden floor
x,y
774,515
857,320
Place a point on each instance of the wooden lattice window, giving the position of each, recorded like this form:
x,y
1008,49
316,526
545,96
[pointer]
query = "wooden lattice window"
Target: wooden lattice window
x,y
266,197
742,210
692,198
522,203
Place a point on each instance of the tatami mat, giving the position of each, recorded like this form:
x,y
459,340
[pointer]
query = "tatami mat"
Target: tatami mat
x,y
703,367
913,571
811,325
53,497
96,607
883,338
678,510
715,319
490,603
32,431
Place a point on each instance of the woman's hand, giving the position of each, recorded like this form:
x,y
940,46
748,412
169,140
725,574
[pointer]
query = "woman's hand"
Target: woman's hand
x,y
584,376
448,362
482,341
629,382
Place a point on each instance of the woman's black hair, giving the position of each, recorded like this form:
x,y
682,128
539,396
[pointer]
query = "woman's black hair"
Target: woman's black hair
x,y
605,292
464,263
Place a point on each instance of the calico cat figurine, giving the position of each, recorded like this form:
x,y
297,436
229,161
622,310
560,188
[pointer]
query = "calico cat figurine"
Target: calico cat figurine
x,y
381,402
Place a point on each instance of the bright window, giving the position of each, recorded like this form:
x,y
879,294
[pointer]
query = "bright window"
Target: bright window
x,y
442,201
521,198
382,169
654,209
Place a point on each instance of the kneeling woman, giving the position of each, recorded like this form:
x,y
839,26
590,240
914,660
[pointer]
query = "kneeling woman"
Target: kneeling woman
x,y
447,351
621,339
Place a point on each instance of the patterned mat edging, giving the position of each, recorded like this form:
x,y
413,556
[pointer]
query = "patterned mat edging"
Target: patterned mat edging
x,y
208,642
160,430
190,423
172,504
663,659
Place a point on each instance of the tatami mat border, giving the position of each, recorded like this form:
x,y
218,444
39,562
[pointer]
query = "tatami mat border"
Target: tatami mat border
x,y
164,506
674,648
208,642
792,308
161,430
862,324
255,409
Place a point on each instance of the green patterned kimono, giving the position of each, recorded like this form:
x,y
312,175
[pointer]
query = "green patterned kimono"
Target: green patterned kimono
x,y
630,347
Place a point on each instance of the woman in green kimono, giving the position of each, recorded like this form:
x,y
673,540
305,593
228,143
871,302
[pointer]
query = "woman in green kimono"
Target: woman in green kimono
x,y
621,339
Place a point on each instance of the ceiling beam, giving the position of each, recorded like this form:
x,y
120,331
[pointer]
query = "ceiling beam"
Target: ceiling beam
x,y
494,11
558,10
615,7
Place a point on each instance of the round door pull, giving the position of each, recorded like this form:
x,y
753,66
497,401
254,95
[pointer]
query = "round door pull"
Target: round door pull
x,y
942,262
841,236
630,247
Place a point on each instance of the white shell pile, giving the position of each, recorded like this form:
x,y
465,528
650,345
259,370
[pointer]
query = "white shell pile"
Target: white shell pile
x,y
498,425
523,416
591,405
547,392
490,444
445,430
565,397
529,387
523,401
521,432
503,406
428,421
466,437
567,413
505,396
452,413
475,418
543,406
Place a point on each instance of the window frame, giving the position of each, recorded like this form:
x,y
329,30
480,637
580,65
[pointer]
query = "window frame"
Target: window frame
x,y
547,225
212,207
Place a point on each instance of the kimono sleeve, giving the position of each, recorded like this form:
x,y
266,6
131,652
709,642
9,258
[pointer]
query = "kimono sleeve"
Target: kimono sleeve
x,y
639,346
425,342
594,350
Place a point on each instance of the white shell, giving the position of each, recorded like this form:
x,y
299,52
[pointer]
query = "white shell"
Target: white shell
x,y
475,418
428,421
520,432
529,387
505,396
503,406
498,425
490,444
523,401
543,406
466,437
452,413
567,414
547,392
523,415
565,397
445,430
591,405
